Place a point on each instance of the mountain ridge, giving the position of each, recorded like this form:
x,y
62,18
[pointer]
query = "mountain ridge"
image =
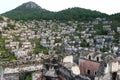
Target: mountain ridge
x,y
30,11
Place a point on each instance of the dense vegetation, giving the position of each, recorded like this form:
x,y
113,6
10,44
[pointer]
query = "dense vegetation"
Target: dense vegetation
x,y
26,13
1,18
116,17
78,14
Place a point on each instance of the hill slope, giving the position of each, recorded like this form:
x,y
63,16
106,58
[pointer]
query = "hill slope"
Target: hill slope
x,y
30,11
115,17
78,14
27,11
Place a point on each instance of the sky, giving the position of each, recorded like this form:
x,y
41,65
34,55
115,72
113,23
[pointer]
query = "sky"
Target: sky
x,y
105,6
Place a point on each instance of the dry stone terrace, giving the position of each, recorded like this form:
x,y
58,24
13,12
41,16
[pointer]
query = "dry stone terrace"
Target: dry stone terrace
x,y
24,62
28,62
20,63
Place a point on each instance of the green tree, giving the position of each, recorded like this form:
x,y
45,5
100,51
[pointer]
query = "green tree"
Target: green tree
x,y
1,18
84,44
28,77
104,49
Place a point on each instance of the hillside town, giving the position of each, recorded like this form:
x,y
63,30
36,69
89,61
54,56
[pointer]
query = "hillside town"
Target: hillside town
x,y
56,50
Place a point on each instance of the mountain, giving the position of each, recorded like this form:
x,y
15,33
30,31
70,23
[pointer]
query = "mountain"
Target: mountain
x,y
27,11
30,11
79,14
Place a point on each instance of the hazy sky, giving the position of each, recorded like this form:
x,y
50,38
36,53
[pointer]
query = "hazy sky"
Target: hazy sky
x,y
106,6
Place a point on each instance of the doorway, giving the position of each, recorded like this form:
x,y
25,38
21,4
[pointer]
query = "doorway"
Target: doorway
x,y
88,72
114,76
